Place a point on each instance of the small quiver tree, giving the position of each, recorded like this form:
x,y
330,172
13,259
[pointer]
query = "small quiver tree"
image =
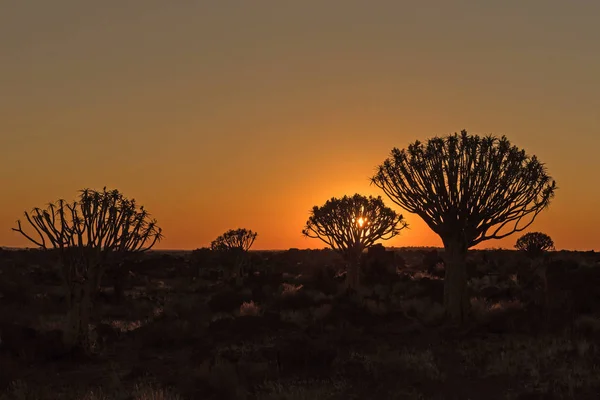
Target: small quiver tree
x,y
89,234
232,247
534,244
467,189
201,260
352,224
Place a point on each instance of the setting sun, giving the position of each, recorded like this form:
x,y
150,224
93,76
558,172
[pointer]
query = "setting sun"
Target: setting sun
x,y
299,199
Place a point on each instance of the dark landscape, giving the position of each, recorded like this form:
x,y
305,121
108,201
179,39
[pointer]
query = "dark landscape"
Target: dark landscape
x,y
296,200
183,332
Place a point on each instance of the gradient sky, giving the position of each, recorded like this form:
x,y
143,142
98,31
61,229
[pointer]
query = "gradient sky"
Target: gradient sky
x,y
225,114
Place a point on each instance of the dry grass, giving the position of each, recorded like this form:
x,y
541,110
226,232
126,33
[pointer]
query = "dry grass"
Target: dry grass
x,y
297,317
421,361
370,363
482,309
405,360
50,322
548,364
125,325
20,390
418,275
423,309
589,323
148,391
376,307
321,312
249,309
222,376
302,390
289,289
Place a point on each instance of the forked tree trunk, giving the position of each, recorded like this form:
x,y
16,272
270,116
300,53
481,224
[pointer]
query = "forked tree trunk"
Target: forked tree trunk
x,y
76,335
239,277
240,264
456,295
538,266
353,273
119,275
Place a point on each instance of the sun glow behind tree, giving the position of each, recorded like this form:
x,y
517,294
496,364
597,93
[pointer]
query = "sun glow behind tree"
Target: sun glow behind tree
x,y
352,224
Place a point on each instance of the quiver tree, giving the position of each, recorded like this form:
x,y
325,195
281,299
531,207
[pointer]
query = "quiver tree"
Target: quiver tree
x,y
467,189
233,247
534,244
90,234
352,224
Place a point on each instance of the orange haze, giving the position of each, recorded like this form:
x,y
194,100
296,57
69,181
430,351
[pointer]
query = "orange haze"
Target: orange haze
x,y
218,115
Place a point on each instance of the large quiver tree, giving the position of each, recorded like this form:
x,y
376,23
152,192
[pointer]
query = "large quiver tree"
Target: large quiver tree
x,y
99,229
352,224
467,189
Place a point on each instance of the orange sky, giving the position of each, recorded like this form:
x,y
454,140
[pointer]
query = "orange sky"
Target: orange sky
x,y
246,114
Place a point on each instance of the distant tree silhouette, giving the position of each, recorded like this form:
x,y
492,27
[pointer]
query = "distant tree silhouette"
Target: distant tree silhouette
x,y
467,189
351,225
99,229
233,246
234,239
534,244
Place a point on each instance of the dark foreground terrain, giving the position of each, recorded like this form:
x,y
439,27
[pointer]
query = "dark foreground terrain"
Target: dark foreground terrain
x,y
182,332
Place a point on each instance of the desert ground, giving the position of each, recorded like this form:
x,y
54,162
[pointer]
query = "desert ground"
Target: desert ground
x,y
173,325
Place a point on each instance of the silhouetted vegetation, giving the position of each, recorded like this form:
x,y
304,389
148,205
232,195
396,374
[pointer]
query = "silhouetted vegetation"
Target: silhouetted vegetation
x,y
89,234
290,333
232,248
468,189
234,240
289,330
534,244
352,224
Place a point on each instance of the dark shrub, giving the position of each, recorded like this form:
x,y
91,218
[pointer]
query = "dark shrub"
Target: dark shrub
x,y
433,289
305,356
227,301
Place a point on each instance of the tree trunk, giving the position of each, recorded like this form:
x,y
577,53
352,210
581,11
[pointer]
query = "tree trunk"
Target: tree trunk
x,y
119,276
456,296
540,286
353,273
240,269
76,336
239,278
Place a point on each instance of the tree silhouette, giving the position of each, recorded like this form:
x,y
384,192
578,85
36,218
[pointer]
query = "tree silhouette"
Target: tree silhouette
x,y
351,225
89,234
234,239
534,244
233,246
467,189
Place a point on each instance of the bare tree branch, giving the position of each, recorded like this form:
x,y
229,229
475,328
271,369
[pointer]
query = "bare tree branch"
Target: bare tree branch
x,y
101,223
466,185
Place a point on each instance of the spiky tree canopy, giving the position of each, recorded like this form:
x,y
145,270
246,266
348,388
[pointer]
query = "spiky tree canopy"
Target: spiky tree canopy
x,y
534,243
234,240
353,223
467,187
103,221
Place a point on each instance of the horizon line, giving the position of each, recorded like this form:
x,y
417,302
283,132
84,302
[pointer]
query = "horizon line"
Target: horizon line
x,y
328,248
